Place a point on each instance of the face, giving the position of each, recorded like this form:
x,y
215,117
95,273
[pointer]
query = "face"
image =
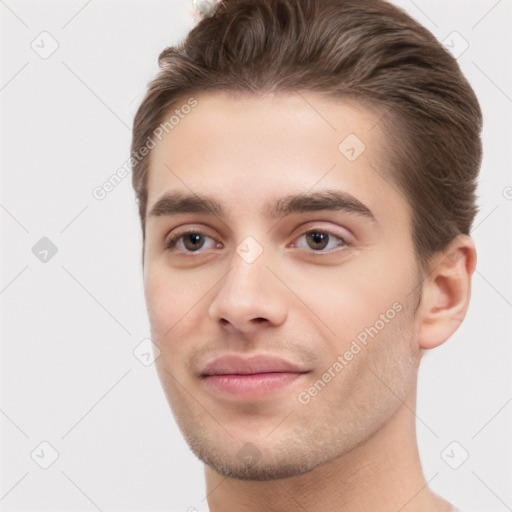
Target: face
x,y
280,306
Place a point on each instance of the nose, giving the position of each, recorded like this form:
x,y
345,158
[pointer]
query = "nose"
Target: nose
x,y
250,296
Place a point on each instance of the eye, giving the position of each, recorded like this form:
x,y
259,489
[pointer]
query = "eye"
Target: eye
x,y
193,240
189,241
319,240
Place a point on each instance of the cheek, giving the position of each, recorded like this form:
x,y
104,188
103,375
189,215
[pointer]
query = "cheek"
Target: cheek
x,y
352,297
172,302
174,312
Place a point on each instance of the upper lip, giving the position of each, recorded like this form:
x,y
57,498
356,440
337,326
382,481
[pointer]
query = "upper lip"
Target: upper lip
x,y
234,364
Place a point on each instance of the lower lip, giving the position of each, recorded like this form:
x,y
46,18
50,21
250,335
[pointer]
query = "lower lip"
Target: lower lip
x,y
250,386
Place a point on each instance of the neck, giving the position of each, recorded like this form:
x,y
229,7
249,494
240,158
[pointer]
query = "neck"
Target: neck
x,y
382,473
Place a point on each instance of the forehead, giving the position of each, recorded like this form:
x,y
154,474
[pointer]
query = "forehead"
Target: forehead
x,y
247,148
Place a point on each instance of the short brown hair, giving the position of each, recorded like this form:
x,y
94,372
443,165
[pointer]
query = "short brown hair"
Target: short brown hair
x,y
366,50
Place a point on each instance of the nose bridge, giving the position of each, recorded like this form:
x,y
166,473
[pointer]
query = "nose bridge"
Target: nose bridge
x,y
246,281
248,269
249,291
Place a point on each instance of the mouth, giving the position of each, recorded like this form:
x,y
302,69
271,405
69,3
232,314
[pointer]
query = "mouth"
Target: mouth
x,y
255,377
250,385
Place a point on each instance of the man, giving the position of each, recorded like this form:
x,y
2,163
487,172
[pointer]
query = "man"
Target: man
x,y
305,173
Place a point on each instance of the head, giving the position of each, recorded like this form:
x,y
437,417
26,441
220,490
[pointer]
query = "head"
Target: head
x,y
322,156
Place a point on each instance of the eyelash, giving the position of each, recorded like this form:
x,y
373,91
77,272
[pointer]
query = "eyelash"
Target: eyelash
x,y
173,239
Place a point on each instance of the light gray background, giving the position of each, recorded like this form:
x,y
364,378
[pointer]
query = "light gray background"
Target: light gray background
x,y
69,326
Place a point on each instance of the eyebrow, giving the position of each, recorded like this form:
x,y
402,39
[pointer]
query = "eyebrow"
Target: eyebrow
x,y
329,199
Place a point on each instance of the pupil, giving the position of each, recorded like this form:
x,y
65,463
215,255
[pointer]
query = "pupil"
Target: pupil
x,y
319,238
193,239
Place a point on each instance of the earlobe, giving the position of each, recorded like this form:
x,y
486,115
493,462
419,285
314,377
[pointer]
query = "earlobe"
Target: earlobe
x,y
446,292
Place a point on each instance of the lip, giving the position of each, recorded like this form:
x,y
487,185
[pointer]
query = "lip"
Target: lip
x,y
258,376
237,365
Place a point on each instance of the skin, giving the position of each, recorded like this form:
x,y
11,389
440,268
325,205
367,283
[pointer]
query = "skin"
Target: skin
x,y
353,445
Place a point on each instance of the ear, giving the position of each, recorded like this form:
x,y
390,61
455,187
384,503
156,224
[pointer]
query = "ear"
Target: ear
x,y
446,292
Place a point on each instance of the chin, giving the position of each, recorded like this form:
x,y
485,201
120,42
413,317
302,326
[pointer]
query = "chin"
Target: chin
x,y
260,471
